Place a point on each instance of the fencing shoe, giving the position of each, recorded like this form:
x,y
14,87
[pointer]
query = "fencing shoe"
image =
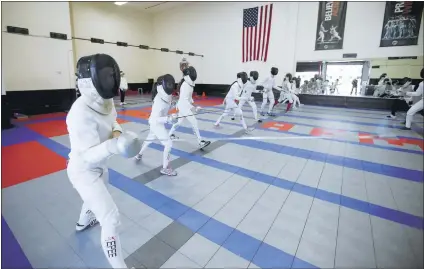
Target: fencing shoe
x,y
168,171
138,157
204,144
248,130
88,221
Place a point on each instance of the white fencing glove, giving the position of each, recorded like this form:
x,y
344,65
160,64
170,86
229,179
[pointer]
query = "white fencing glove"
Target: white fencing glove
x,y
127,145
173,118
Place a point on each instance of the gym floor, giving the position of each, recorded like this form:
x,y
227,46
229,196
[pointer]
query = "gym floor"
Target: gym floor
x,y
351,200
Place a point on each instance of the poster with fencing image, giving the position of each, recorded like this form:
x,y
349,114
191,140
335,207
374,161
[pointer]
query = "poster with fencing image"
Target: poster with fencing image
x,y
401,24
330,25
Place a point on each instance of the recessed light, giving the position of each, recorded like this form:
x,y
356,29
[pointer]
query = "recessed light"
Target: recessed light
x,y
120,3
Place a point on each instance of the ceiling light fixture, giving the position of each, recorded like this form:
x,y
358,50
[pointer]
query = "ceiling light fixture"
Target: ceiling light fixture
x,y
120,3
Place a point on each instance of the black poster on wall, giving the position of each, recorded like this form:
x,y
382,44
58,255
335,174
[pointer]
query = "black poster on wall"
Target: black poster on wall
x,y
401,24
330,25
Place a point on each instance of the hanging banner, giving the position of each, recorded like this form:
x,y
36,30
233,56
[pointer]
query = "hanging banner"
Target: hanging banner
x,y
401,25
330,25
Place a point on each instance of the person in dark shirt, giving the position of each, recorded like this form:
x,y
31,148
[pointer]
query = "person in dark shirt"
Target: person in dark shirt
x,y
354,86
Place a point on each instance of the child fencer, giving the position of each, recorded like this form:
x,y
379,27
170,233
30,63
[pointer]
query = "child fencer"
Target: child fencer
x,y
185,107
246,95
230,101
418,106
295,98
183,65
268,94
381,87
158,118
95,135
285,92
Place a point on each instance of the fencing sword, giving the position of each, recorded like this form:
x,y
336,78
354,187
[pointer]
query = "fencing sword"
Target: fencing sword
x,y
195,114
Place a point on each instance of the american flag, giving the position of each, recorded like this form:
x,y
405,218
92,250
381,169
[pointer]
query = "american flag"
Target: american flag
x,y
256,32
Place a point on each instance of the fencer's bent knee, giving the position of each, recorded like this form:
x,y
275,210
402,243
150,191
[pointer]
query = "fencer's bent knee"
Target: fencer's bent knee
x,y
167,144
111,218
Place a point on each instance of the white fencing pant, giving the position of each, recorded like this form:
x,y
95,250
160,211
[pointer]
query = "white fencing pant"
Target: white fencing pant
x,y
295,99
268,96
91,186
234,109
252,105
187,113
158,130
379,90
412,111
285,96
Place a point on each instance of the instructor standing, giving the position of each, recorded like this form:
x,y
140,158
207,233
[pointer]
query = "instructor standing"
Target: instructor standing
x,y
123,87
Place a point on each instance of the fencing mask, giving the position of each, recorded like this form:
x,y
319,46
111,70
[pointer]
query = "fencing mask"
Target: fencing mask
x,y
254,75
242,76
103,73
183,64
191,72
168,83
274,71
422,73
289,77
98,81
383,75
165,87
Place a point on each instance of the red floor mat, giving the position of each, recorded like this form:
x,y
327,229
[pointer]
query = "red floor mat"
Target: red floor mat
x,y
27,161
209,102
136,113
44,116
49,128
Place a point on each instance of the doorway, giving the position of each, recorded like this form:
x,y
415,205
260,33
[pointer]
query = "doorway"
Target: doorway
x,y
345,73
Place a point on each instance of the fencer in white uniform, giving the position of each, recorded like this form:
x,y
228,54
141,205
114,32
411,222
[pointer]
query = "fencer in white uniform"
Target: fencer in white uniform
x,y
382,85
286,92
268,94
230,100
295,98
123,88
157,120
95,135
185,107
246,95
418,106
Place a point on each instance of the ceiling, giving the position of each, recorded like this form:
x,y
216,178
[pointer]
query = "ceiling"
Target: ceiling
x,y
153,7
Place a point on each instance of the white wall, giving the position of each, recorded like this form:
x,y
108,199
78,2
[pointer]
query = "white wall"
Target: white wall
x,y
33,63
364,21
214,29
113,23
